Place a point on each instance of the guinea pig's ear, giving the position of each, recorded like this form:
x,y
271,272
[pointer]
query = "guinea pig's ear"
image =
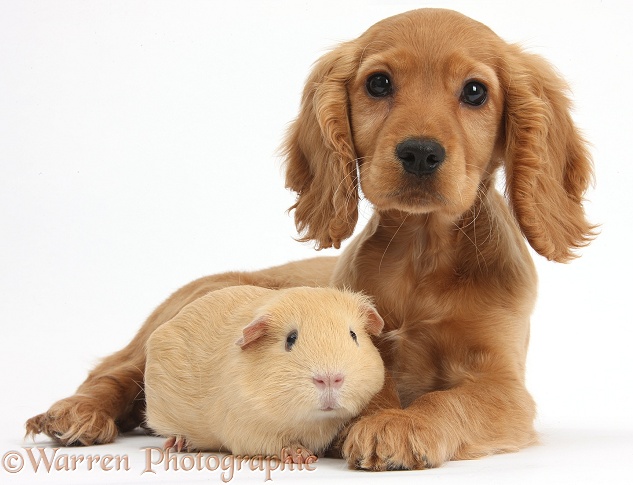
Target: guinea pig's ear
x,y
375,323
254,331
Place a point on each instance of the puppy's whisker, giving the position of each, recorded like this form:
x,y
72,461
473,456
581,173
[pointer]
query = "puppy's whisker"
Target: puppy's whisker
x,y
350,173
391,240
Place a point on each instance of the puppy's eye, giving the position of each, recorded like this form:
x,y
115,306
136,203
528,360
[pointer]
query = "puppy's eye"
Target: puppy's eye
x,y
379,85
353,335
291,339
474,93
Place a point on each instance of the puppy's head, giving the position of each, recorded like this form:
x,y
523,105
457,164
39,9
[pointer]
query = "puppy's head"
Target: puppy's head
x,y
427,105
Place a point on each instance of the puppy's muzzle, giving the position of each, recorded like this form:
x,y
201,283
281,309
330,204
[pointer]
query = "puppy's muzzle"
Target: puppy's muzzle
x,y
420,156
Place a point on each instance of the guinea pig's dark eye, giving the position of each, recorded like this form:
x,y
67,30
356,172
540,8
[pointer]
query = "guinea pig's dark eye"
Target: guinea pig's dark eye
x,y
353,335
474,93
291,339
379,85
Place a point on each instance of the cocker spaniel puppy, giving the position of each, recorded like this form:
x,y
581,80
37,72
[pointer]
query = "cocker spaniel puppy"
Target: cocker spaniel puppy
x,y
420,112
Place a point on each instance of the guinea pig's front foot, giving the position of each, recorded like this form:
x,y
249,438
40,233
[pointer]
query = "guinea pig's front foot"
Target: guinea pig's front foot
x,y
297,453
176,442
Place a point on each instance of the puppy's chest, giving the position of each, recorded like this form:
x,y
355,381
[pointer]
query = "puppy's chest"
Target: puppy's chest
x,y
418,338
406,299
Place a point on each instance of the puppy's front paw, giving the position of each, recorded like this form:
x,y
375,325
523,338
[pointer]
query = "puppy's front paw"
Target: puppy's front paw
x,y
77,420
393,439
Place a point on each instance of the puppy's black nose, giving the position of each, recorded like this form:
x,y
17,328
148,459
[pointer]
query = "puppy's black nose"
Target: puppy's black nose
x,y
420,156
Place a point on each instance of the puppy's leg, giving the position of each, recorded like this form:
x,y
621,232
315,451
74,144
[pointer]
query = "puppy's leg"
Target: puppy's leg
x,y
387,398
111,399
476,419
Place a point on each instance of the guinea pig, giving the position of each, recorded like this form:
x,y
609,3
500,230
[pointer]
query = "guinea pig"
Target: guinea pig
x,y
255,371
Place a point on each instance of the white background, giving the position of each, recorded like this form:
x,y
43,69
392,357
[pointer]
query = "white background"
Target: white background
x,y
137,152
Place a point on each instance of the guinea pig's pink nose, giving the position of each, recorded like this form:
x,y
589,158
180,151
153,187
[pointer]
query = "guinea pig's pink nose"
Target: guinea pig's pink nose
x,y
332,381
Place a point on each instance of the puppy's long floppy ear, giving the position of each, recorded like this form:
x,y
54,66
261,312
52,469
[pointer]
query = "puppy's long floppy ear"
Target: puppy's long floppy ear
x,y
548,167
320,156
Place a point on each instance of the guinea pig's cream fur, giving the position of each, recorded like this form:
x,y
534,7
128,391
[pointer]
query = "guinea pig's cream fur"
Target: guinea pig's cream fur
x,y
255,371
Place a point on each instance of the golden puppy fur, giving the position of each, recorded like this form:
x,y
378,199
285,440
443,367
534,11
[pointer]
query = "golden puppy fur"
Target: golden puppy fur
x,y
443,255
